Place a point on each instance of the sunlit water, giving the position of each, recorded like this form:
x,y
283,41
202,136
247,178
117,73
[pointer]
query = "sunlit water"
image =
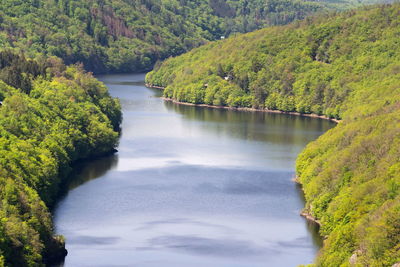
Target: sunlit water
x,y
190,187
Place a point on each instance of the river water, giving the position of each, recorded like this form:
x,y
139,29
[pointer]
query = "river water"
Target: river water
x,y
190,186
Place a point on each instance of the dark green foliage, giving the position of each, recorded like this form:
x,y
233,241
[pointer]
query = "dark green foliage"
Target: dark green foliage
x,y
126,36
18,72
66,115
343,66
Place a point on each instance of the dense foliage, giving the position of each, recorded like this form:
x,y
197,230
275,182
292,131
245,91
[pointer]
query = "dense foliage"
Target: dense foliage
x,y
121,35
55,116
308,67
344,66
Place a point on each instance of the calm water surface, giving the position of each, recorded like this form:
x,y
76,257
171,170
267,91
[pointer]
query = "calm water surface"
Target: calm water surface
x,y
190,187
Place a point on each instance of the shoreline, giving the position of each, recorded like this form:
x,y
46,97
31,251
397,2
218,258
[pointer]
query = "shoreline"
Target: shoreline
x,y
310,218
243,109
59,251
305,213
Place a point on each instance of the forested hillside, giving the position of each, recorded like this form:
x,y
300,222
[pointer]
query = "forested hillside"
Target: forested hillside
x,y
126,36
50,115
344,66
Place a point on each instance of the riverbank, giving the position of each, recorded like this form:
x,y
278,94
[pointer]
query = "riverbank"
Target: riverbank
x,y
309,217
250,152
303,213
350,173
58,124
244,109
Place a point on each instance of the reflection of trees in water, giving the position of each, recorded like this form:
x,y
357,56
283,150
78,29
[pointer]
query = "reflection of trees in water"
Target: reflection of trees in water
x,y
258,126
312,227
137,83
87,170
279,129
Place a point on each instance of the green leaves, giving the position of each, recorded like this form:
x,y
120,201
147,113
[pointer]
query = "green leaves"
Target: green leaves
x,y
130,36
343,66
63,119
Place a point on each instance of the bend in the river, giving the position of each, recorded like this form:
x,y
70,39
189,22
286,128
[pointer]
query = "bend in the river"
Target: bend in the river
x,y
191,186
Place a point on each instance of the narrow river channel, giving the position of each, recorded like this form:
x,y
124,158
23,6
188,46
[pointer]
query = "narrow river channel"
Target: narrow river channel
x,y
191,187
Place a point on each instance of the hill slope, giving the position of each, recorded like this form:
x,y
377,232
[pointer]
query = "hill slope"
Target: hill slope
x,y
50,116
346,67
123,35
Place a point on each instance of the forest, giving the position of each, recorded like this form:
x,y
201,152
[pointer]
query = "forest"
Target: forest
x,y
51,115
130,36
344,66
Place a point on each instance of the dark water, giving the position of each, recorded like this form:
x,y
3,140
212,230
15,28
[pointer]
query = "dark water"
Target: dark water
x,y
190,187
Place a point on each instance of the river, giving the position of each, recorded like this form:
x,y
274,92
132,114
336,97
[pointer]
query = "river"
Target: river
x,y
190,186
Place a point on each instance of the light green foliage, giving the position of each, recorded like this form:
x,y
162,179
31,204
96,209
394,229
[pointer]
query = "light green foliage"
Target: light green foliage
x,y
66,116
351,180
309,67
126,36
343,66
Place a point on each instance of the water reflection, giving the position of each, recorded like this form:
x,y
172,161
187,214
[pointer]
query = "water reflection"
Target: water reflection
x,y
92,169
190,187
258,126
